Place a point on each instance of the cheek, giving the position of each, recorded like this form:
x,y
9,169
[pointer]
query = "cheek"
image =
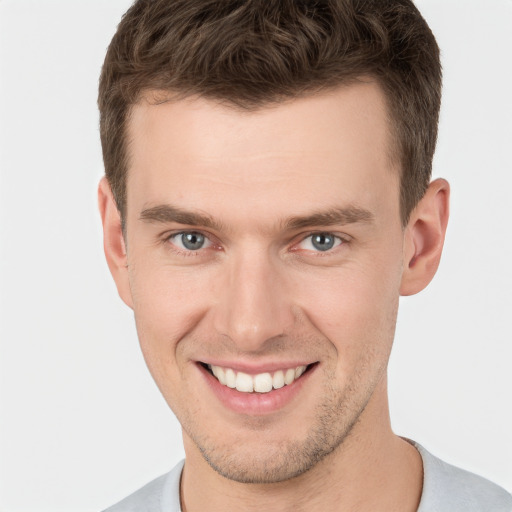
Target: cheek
x,y
355,309
168,304
167,308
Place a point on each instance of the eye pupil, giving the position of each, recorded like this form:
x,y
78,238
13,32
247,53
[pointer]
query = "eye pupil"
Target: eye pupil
x,y
322,241
192,241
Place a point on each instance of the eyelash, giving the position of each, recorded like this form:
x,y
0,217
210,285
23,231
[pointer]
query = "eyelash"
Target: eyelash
x,y
167,239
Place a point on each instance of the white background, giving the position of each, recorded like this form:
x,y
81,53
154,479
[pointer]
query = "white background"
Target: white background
x,y
81,422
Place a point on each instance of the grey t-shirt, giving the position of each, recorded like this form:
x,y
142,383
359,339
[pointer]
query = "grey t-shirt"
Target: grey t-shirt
x,y
445,489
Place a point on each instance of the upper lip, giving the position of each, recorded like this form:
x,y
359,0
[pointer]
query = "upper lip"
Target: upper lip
x,y
256,368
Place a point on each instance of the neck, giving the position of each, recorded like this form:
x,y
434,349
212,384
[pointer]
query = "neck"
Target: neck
x,y
371,470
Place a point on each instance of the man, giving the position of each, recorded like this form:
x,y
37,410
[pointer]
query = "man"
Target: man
x,y
267,199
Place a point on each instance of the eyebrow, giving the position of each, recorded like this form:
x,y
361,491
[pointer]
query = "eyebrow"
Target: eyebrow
x,y
167,213
331,217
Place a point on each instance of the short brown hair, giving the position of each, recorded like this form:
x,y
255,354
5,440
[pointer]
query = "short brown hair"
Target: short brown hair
x,y
250,53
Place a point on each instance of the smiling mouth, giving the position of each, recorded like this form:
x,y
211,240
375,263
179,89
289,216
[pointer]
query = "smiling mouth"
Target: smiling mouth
x,y
259,383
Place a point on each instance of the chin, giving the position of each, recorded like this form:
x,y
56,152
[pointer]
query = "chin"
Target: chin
x,y
267,466
261,461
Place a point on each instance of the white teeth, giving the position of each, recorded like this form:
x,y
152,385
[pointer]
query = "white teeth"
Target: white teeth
x,y
278,380
244,382
220,374
260,383
289,376
298,371
263,382
230,378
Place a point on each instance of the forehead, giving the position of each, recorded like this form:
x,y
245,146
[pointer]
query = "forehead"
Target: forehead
x,y
328,147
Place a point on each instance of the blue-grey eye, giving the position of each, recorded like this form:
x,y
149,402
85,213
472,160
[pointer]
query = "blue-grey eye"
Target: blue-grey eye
x,y
191,241
323,241
320,242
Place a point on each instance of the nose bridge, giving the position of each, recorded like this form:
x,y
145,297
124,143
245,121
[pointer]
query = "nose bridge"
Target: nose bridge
x,y
252,306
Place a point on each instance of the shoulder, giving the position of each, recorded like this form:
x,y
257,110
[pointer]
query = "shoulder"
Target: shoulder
x,y
161,494
447,488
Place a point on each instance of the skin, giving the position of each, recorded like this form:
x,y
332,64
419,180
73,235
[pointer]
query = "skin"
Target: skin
x,y
259,293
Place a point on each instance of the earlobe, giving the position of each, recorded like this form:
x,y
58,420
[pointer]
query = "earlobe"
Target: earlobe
x,y
113,241
424,238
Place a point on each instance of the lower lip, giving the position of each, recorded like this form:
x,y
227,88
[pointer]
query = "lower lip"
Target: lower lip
x,y
256,404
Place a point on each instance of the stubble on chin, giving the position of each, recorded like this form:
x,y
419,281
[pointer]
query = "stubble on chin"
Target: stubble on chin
x,y
257,463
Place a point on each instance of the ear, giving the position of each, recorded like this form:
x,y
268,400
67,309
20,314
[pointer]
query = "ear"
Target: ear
x,y
113,241
424,238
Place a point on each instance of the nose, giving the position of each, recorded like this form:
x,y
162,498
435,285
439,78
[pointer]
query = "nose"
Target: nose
x,y
253,306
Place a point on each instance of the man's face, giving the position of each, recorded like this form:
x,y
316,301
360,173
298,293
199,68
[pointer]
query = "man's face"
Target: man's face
x,y
258,243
